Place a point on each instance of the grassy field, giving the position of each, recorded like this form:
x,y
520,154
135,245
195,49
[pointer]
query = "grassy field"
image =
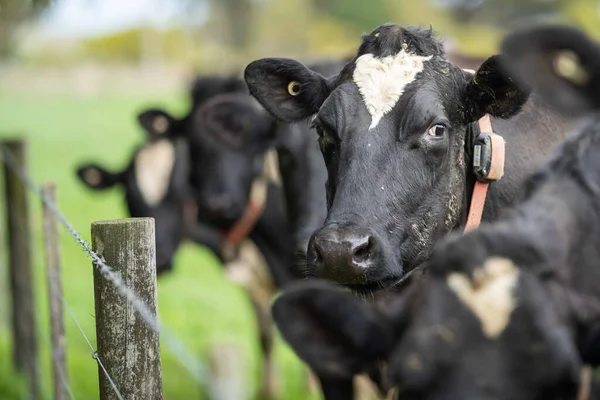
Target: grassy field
x,y
195,302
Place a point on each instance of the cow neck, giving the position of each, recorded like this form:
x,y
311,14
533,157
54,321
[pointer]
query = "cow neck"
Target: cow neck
x,y
252,213
256,203
270,234
263,221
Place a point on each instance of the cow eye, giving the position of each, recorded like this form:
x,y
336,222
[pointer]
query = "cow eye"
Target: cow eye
x,y
326,141
437,130
320,131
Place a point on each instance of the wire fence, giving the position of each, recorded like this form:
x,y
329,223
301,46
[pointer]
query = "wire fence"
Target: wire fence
x,y
183,355
95,355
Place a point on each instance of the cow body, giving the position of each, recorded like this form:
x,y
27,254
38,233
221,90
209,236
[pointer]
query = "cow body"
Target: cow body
x,y
396,128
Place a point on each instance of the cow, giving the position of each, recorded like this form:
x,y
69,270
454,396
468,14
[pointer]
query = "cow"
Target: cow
x,y
156,185
396,129
508,311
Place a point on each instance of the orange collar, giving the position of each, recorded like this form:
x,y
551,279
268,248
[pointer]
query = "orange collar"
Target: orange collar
x,y
255,206
254,210
496,170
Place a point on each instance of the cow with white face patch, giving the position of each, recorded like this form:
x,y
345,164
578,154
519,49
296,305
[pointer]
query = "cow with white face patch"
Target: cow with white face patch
x,y
508,311
156,185
396,129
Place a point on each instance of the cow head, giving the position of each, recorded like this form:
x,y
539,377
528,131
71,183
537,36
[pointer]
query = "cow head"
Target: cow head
x,y
155,183
229,135
392,128
561,62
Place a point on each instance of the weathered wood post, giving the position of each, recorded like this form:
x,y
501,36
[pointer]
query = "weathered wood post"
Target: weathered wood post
x,y
127,347
21,275
54,280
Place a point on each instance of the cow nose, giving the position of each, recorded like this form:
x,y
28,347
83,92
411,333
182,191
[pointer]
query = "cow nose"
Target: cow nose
x,y
221,205
343,254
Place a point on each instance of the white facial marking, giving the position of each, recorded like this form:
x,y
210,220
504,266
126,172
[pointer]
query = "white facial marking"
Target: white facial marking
x,y
153,167
381,81
489,295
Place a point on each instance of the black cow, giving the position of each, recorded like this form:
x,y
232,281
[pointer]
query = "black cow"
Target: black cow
x,y
156,185
509,311
396,130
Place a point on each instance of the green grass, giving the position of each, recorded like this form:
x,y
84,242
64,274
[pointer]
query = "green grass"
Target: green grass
x,y
196,301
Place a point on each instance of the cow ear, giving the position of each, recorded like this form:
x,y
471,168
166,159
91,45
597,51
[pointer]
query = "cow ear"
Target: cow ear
x,y
332,331
560,62
492,91
286,88
96,177
158,123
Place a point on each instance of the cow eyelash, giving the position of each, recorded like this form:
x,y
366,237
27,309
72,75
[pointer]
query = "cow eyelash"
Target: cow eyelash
x,y
317,127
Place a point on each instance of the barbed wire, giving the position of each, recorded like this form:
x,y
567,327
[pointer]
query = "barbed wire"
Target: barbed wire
x,y
175,345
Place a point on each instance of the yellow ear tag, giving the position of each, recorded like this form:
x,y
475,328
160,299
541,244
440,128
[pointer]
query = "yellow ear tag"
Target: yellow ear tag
x,y
294,88
567,65
160,124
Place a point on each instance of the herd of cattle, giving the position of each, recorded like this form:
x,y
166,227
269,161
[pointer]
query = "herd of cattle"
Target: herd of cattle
x,y
363,230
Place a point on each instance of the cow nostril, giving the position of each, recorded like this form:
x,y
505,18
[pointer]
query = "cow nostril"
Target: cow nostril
x,y
362,251
222,205
318,256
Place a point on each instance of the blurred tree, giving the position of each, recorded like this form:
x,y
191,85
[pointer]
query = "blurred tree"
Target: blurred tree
x,y
359,14
12,14
234,18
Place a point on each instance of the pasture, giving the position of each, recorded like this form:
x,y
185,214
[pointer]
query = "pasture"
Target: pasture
x,y
195,301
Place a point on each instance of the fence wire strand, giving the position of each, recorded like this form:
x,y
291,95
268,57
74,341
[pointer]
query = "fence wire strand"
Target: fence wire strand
x,y
175,345
63,379
95,355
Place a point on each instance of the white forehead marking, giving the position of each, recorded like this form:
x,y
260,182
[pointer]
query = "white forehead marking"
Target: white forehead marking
x,y
489,295
381,81
153,167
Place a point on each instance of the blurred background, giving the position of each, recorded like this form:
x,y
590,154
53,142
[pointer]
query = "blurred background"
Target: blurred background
x,y
75,73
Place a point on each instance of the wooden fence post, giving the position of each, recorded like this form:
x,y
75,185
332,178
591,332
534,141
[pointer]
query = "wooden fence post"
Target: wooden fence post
x,y
127,347
53,277
21,275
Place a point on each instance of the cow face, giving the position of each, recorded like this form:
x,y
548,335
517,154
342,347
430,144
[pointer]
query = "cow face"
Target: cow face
x,y
392,128
229,136
155,186
492,333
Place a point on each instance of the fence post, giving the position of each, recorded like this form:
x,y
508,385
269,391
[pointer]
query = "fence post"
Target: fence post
x,y
127,347
21,276
53,277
